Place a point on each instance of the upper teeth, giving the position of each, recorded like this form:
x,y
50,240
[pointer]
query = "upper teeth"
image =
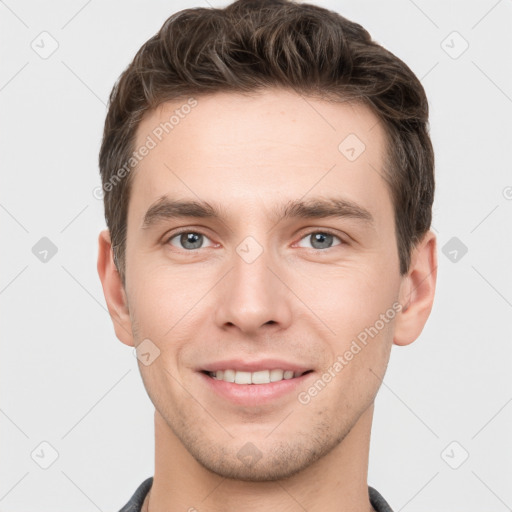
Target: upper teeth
x,y
260,377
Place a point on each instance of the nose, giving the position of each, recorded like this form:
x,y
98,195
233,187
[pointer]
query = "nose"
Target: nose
x,y
253,295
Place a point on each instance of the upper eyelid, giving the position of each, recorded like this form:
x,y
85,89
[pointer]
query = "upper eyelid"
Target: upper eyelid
x,y
169,237
326,231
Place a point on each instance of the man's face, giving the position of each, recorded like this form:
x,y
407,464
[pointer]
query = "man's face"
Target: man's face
x,y
251,285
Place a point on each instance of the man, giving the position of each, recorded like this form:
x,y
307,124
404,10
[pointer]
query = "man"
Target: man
x,y
268,179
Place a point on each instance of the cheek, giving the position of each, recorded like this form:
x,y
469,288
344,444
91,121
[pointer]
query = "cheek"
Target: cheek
x,y
358,308
351,299
160,296
166,309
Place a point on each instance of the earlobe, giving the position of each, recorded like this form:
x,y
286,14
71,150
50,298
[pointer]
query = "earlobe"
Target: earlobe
x,y
417,291
113,290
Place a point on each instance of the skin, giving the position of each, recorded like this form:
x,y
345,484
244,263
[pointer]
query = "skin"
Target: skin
x,y
250,154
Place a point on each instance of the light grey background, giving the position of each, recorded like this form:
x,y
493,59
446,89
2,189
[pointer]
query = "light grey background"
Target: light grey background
x,y
65,378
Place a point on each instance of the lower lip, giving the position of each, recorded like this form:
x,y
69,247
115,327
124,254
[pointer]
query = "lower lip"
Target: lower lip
x,y
254,394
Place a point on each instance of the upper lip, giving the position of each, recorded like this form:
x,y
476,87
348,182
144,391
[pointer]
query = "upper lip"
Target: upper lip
x,y
254,366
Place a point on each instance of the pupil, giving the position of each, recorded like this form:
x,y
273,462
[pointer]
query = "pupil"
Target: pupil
x,y
321,240
191,238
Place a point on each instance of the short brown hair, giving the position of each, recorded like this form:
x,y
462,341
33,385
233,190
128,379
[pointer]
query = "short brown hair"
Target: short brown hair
x,y
256,44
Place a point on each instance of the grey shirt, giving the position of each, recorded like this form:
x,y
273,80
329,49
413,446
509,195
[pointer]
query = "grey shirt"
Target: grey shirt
x,y
136,501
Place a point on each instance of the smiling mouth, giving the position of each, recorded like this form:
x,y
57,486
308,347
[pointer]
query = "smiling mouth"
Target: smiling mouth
x,y
256,378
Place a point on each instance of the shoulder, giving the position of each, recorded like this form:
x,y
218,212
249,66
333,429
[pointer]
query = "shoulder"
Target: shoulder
x,y
377,501
136,501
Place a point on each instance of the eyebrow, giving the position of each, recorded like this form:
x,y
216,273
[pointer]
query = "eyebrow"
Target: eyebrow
x,y
313,208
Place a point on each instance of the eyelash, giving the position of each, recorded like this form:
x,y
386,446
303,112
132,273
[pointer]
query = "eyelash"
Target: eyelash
x,y
322,231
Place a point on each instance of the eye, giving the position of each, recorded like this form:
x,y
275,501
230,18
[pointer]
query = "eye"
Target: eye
x,y
320,240
188,240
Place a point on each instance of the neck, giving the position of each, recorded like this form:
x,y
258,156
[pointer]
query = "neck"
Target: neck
x,y
335,482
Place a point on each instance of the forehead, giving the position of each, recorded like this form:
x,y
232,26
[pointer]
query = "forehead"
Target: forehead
x,y
260,148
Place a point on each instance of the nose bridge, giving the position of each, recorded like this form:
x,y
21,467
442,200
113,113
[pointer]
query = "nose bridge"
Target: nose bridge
x,y
250,272
252,296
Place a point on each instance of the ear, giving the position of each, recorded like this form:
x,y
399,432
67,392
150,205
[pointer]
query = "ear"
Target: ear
x,y
113,290
417,291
